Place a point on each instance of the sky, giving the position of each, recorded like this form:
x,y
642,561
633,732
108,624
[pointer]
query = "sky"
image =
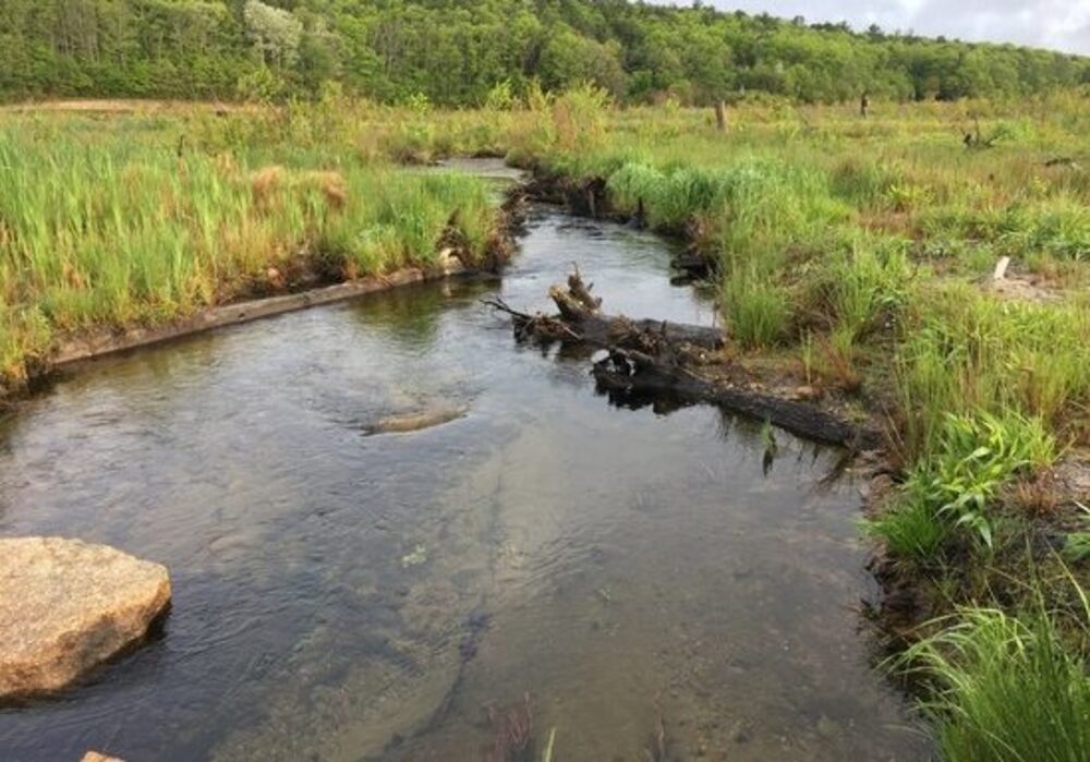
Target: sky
x,y
1057,24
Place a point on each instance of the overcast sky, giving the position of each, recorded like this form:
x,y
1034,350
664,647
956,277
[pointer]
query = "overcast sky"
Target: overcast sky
x,y
1059,24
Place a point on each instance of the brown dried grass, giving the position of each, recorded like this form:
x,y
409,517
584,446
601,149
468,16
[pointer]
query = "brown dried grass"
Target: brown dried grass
x,y
265,183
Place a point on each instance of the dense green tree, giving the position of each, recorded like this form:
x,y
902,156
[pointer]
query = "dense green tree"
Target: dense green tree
x,y
456,52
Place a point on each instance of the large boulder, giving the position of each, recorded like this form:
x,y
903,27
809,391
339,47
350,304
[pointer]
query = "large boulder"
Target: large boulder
x,y
66,606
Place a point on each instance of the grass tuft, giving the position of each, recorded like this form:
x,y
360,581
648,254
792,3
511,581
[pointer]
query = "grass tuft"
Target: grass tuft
x,y
1006,689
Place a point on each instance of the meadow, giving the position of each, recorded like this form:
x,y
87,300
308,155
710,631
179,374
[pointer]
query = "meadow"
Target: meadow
x,y
110,221
854,255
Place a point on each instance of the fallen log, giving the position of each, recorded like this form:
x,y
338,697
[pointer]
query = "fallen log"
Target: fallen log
x,y
579,320
580,312
657,360
628,375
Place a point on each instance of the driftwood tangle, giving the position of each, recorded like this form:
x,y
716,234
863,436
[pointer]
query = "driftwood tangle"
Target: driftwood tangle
x,y
653,358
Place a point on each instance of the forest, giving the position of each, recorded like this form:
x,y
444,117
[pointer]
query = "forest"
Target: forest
x,y
487,52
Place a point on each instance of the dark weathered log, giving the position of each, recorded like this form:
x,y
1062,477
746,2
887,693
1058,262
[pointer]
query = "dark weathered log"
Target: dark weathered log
x,y
652,360
606,330
638,375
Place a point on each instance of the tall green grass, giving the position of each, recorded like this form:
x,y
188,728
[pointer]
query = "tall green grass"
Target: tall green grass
x,y
863,288
757,211
103,232
757,309
1006,688
969,352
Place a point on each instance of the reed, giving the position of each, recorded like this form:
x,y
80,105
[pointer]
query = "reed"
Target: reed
x,y
116,232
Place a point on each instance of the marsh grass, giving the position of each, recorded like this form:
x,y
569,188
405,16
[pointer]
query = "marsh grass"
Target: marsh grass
x,y
969,352
871,237
756,309
864,288
115,231
1005,688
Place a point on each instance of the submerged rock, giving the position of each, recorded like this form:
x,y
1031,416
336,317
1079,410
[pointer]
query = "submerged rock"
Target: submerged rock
x,y
66,606
416,420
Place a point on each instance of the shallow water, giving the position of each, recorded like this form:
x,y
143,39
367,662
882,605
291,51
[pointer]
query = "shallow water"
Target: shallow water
x,y
340,596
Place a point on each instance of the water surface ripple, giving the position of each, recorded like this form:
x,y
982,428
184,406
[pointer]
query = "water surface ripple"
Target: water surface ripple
x,y
340,596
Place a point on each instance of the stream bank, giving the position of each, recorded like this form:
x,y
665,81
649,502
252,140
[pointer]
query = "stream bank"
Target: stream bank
x,y
279,296
347,595
767,388
966,517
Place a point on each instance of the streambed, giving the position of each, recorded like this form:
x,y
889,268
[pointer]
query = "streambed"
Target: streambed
x,y
342,594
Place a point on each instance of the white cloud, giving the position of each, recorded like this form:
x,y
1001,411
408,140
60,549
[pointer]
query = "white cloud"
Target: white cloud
x,y
1058,24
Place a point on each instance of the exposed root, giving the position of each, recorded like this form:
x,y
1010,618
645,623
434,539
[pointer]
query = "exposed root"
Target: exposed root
x,y
538,327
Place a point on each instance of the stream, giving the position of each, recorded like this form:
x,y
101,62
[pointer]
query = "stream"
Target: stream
x,y
627,583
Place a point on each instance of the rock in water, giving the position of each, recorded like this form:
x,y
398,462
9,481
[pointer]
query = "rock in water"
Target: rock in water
x,y
405,423
94,756
67,606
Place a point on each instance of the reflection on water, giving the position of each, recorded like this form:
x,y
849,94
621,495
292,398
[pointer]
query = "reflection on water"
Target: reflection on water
x,y
344,597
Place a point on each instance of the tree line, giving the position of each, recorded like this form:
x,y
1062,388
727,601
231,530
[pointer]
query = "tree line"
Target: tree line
x,y
471,52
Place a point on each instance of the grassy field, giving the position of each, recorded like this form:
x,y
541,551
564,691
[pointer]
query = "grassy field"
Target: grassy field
x,y
114,219
855,256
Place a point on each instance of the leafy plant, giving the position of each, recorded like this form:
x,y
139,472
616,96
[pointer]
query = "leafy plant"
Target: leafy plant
x,y
953,491
1077,547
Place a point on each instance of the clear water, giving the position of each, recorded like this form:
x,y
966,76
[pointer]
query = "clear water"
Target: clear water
x,y
348,597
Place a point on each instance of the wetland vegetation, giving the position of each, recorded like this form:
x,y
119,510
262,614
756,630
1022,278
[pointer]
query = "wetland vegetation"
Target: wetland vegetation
x,y
857,256
146,219
851,256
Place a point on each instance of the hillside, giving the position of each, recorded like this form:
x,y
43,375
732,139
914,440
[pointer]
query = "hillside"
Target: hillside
x,y
463,52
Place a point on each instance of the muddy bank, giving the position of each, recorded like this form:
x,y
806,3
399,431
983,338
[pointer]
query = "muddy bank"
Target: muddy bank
x,y
1029,565
583,197
102,343
652,360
